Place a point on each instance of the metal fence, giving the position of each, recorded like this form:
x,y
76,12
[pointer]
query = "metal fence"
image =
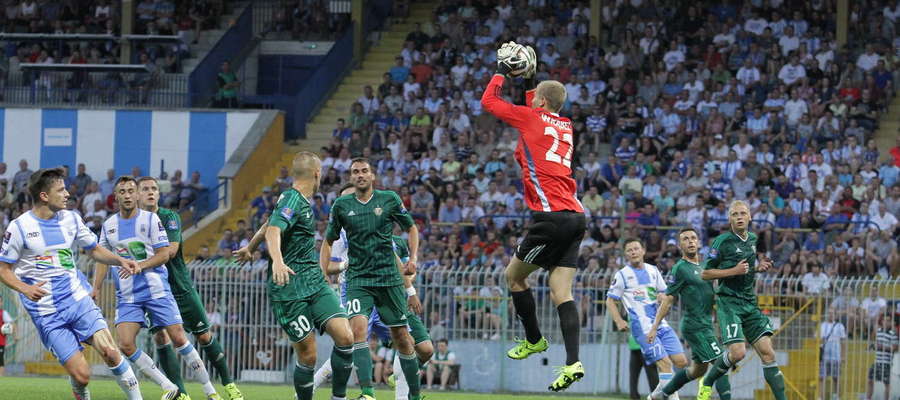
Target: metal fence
x,y
472,309
95,89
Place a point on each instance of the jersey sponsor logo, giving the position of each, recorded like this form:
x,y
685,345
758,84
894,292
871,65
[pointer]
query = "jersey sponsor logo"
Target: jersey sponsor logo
x,y
378,211
111,231
287,212
32,235
172,224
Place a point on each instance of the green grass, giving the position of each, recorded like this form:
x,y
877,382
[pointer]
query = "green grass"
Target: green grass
x,y
105,389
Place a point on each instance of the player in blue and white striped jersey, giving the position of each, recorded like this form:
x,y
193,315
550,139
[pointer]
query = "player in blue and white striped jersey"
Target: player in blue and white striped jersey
x,y
638,285
138,235
37,260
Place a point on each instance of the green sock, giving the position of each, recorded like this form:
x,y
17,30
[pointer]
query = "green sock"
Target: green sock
x,y
719,367
363,361
723,387
214,354
410,367
423,365
680,379
303,381
775,380
341,368
169,364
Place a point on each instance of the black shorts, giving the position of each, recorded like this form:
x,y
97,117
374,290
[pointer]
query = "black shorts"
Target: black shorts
x,y
553,239
2,350
880,372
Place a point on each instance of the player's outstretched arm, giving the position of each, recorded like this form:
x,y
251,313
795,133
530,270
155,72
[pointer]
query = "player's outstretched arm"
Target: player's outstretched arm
x,y
245,254
281,274
9,278
665,304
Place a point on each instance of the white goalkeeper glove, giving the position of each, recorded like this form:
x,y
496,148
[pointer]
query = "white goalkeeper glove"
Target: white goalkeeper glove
x,y
508,60
531,59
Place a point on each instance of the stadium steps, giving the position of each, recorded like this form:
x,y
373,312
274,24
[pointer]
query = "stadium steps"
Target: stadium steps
x,y
888,128
378,60
208,39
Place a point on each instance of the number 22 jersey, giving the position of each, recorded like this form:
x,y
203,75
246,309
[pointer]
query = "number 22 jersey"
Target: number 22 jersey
x,y
544,151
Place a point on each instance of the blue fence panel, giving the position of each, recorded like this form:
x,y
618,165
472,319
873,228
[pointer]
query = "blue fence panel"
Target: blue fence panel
x,y
202,82
322,80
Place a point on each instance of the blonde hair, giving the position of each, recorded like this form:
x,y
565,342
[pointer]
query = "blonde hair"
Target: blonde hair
x,y
737,203
305,164
553,92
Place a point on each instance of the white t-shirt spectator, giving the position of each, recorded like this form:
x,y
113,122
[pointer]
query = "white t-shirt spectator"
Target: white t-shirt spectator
x,y
790,74
867,61
794,109
832,333
756,26
673,58
748,75
815,283
724,39
788,44
884,222
873,306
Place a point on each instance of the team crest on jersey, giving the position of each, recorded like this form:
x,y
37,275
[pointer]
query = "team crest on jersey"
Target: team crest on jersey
x,y
6,237
143,228
159,226
287,212
173,225
713,253
670,279
378,211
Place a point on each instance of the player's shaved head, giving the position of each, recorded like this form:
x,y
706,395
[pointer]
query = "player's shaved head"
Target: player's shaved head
x,y
739,216
735,204
305,165
553,94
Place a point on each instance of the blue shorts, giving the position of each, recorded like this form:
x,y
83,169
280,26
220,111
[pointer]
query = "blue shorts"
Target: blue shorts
x,y
161,312
381,331
666,343
63,331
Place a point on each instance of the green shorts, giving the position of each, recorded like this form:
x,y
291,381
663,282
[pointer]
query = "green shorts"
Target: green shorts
x,y
704,344
298,317
741,320
390,300
192,311
417,329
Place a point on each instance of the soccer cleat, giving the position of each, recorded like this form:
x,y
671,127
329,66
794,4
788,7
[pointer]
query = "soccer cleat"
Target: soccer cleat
x,y
214,396
170,394
233,393
657,395
364,397
705,392
183,396
524,349
567,376
392,381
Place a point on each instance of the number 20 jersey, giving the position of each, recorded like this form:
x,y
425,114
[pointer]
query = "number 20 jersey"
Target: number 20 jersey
x,y
544,151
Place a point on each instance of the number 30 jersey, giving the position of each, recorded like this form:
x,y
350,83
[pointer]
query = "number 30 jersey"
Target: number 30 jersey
x,y
40,250
544,151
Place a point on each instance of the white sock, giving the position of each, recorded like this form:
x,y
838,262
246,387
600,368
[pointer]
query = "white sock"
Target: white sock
x,y
126,380
190,354
402,391
664,378
81,391
146,365
322,374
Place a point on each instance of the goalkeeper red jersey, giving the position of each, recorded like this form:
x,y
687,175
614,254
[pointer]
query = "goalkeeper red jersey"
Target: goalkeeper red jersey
x,y
544,151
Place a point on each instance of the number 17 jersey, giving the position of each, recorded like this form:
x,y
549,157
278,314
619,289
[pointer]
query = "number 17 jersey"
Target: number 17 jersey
x,y
544,151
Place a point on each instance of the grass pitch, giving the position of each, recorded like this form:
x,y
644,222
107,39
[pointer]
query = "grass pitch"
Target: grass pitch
x,y
104,389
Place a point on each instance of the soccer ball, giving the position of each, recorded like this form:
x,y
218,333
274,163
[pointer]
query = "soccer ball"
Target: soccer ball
x,y
526,53
6,329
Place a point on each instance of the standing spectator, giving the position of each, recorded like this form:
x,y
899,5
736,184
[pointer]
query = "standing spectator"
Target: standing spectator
x,y
228,84
885,346
442,363
20,179
6,328
833,334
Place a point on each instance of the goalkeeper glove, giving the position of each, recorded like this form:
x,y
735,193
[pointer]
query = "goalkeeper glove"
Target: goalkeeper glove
x,y
508,59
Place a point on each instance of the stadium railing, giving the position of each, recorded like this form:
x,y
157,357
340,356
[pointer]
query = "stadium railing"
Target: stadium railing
x,y
472,307
95,89
206,202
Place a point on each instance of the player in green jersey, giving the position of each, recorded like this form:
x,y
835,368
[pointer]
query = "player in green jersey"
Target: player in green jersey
x,y
301,298
696,324
373,276
189,304
740,319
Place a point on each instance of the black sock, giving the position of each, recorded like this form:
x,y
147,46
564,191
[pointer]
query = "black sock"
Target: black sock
x,y
525,309
568,324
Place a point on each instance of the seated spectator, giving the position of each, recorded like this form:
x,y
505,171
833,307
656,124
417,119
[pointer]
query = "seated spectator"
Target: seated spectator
x,y
442,363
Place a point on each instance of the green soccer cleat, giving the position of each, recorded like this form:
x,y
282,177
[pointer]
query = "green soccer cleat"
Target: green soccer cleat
x,y
233,393
567,376
183,396
392,381
524,349
705,392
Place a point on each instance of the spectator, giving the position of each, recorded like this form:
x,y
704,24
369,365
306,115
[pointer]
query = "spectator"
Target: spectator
x,y
815,281
874,305
228,241
833,334
442,363
20,179
228,83
5,320
884,347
